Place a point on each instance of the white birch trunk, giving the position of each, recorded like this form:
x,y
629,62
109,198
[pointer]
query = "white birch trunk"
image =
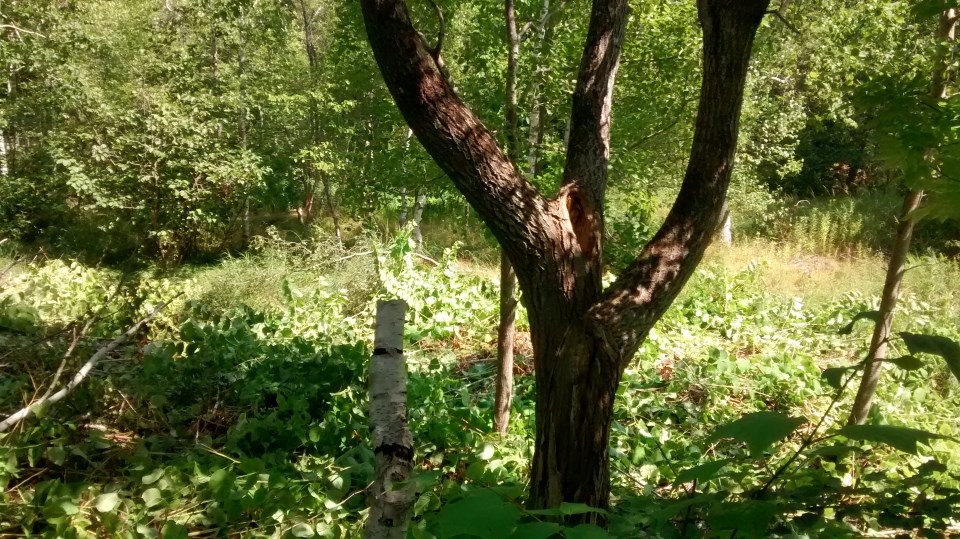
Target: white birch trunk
x,y
418,215
391,505
725,230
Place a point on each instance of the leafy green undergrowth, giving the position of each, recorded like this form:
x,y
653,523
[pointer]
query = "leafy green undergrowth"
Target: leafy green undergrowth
x,y
251,420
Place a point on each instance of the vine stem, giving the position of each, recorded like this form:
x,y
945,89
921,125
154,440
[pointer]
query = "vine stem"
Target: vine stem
x,y
812,437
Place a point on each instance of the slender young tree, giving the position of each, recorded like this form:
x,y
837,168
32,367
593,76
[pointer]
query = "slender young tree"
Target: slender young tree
x,y
583,336
946,31
508,282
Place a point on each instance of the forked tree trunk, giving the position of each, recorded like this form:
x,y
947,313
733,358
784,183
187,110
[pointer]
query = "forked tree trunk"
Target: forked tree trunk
x,y
316,136
901,248
583,337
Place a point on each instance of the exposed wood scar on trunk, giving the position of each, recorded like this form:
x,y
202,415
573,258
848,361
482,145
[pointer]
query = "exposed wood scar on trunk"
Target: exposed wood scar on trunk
x,y
584,222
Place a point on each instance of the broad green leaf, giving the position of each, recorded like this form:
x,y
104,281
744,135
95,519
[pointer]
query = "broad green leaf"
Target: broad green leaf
x,y
865,315
702,472
907,363
834,376
147,531
69,508
902,438
56,454
680,506
107,502
152,496
946,348
303,530
172,530
751,518
835,450
759,430
480,514
536,530
220,481
152,477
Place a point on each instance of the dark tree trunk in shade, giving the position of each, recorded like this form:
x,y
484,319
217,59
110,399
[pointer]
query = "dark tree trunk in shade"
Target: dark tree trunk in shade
x,y
583,336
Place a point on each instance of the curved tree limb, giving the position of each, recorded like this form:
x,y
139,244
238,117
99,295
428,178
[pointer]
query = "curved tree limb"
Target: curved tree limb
x,y
643,292
588,150
454,136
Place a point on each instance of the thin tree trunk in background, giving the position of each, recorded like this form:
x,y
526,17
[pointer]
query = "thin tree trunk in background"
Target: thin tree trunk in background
x,y
314,119
4,170
404,203
404,207
330,207
7,145
538,106
215,70
725,230
873,367
391,502
506,333
508,282
418,206
242,125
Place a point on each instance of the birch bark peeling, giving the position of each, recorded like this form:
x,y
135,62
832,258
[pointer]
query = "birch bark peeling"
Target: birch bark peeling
x,y
392,442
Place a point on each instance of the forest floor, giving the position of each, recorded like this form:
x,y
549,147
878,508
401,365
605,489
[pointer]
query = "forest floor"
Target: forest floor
x,y
240,411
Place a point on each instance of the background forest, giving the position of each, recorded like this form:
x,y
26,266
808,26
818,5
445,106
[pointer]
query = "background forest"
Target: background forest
x,y
242,161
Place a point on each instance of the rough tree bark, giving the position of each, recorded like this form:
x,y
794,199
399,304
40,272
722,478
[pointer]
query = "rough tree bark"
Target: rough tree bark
x,y
506,331
392,441
946,31
583,337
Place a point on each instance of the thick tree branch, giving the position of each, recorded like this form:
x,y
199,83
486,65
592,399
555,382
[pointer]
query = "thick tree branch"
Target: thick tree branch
x,y
644,291
455,137
588,151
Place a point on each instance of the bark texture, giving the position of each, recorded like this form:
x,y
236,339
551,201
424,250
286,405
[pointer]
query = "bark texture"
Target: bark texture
x,y
583,337
392,442
946,31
